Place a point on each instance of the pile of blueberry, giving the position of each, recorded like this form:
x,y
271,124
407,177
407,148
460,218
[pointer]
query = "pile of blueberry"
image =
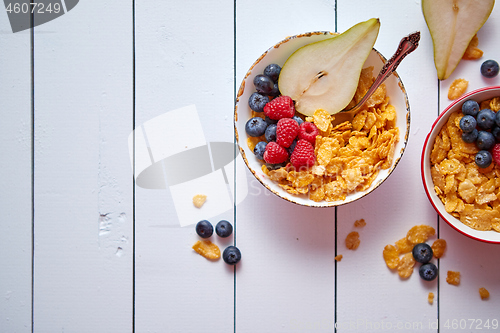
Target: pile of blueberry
x,y
223,229
423,253
481,127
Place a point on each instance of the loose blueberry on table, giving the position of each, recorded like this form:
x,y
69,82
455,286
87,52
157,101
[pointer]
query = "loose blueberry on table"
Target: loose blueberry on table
x,y
428,271
489,68
223,229
204,229
231,255
422,253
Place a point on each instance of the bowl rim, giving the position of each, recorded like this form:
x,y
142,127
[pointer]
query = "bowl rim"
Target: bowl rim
x,y
325,204
423,160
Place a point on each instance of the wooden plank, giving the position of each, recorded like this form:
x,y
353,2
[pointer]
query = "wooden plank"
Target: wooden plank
x,y
285,282
476,261
83,184
15,205
184,57
371,297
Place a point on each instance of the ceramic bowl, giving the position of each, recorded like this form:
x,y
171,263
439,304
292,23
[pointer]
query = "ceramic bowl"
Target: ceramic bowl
x,y
278,54
477,95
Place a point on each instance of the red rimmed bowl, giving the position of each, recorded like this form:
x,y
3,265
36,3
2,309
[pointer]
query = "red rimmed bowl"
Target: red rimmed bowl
x,y
477,95
278,54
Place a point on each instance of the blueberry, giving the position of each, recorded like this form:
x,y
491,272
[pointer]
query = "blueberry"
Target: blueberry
x,y
467,123
483,159
223,229
204,229
271,132
298,120
485,140
257,102
470,107
260,149
272,71
471,136
485,119
271,121
496,133
292,147
489,68
428,272
497,118
255,126
275,91
263,84
422,253
231,255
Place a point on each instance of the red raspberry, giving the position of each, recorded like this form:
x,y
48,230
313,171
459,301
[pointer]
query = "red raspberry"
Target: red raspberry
x,y
280,107
495,153
275,154
286,131
303,155
308,131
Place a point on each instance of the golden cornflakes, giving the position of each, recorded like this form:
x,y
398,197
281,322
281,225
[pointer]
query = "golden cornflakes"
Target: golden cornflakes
x,y
199,200
457,88
338,258
405,267
391,256
430,298
467,191
438,248
453,278
473,52
360,223
484,293
350,155
420,234
207,249
352,240
404,246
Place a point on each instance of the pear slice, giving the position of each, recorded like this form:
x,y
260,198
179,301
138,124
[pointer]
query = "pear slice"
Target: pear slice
x,y
325,74
453,24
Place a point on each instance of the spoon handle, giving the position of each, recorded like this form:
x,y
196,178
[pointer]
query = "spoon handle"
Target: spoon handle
x,y
407,45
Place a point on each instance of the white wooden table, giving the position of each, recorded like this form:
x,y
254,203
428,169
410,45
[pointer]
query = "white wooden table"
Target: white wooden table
x,y
84,249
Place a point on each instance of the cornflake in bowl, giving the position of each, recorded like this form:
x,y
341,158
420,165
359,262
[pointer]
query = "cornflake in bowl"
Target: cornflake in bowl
x,y
464,194
352,159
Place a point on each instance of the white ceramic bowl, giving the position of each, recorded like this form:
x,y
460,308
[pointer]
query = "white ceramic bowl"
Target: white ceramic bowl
x,y
477,95
278,54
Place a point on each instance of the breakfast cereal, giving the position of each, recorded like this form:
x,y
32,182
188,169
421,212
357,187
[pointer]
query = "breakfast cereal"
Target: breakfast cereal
x,y
405,267
207,249
457,88
467,191
391,256
338,258
473,52
453,278
484,293
350,155
420,233
199,200
430,298
352,240
360,223
438,247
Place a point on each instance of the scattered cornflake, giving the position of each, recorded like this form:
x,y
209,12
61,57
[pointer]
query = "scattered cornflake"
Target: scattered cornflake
x,y
438,248
484,293
207,249
420,234
404,246
430,298
339,257
453,278
405,267
473,52
360,223
457,88
352,240
391,256
199,200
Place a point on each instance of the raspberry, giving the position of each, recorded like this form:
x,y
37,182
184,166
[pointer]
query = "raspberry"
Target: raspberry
x,y
286,132
303,155
280,107
495,152
275,154
308,131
